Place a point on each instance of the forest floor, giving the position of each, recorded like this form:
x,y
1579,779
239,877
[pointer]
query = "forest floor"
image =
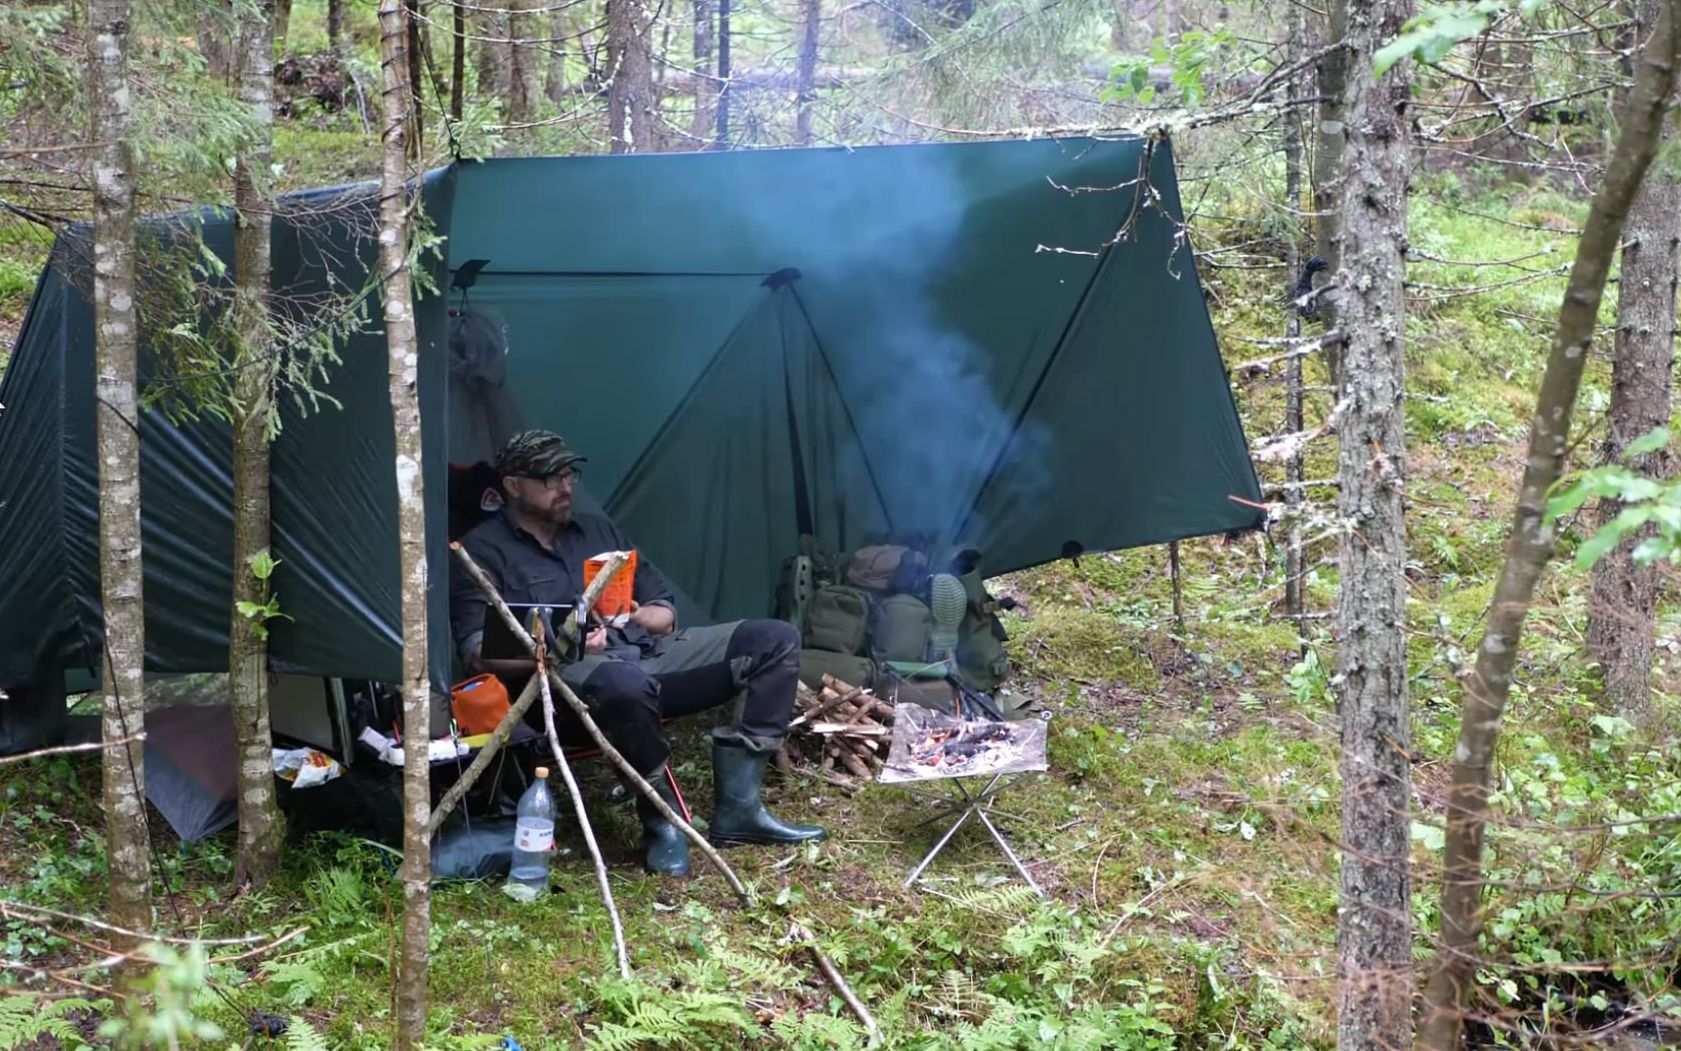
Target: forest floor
x,y
1186,832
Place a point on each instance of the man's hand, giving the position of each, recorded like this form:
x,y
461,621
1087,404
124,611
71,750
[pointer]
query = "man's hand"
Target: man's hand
x,y
595,641
655,620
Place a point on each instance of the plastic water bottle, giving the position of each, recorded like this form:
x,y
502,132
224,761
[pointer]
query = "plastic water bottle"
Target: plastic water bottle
x,y
533,840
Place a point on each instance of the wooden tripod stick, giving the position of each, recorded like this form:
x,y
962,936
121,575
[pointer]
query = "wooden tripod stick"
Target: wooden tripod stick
x,y
582,711
500,735
579,808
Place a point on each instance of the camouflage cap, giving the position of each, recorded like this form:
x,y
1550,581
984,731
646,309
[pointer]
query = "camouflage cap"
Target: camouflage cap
x,y
535,454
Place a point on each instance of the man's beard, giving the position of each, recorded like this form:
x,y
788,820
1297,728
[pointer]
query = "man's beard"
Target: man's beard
x,y
555,515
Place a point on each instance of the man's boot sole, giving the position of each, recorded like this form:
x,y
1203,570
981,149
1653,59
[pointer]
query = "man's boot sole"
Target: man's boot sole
x,y
762,841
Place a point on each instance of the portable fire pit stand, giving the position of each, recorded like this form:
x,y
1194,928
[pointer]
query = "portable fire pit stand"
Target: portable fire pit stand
x,y
931,747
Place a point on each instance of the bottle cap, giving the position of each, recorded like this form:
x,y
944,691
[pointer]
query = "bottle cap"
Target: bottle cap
x,y
542,771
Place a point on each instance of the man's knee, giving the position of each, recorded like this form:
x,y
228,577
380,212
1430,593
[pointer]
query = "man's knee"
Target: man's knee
x,y
765,640
617,685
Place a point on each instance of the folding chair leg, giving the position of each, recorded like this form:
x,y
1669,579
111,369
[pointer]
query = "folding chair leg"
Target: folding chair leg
x,y
682,804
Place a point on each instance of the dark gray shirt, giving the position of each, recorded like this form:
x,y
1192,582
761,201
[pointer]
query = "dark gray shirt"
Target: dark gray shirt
x,y
523,570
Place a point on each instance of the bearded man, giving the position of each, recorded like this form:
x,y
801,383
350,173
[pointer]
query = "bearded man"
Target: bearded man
x,y
634,672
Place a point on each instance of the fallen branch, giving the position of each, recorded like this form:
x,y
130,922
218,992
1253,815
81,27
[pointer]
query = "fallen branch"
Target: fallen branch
x,y
578,707
832,975
67,749
572,784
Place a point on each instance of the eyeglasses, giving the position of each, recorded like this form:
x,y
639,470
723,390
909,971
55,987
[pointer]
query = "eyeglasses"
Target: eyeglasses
x,y
563,480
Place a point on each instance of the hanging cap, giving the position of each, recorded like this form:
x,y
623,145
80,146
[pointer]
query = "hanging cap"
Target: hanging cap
x,y
542,771
535,454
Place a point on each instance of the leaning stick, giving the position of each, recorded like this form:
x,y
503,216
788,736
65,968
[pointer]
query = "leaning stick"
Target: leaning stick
x,y
578,805
832,975
505,728
613,754
498,737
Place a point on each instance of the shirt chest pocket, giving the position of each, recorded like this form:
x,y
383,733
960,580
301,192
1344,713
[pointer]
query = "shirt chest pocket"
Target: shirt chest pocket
x,y
540,584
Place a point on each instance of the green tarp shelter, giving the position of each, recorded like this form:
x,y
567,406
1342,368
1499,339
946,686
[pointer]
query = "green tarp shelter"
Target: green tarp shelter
x,y
1001,342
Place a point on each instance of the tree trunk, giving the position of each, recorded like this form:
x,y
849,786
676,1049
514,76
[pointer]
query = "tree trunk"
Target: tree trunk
x,y
1530,543
403,352
491,26
1296,40
282,22
631,116
118,438
458,59
215,37
706,98
811,20
1328,168
554,77
1623,607
417,96
1374,928
260,827
722,139
335,24
524,60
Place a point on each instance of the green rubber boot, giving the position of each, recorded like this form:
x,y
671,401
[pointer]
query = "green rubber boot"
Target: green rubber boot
x,y
738,813
667,848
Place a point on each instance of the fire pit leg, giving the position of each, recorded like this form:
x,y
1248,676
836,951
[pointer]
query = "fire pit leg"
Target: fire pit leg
x,y
950,832
990,827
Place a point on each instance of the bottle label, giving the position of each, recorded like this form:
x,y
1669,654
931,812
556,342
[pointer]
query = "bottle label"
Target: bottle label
x,y
536,837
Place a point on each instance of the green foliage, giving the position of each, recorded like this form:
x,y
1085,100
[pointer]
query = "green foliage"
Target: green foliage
x,y
1439,28
25,1020
260,613
301,1036
1645,501
169,1008
1186,58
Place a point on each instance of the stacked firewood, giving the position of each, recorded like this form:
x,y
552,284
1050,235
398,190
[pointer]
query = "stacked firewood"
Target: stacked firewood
x,y
840,732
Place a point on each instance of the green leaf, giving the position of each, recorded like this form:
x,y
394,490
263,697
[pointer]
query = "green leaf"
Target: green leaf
x,y
1432,838
262,564
1651,441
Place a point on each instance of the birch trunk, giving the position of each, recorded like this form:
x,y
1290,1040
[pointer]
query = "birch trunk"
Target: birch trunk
x,y
1530,543
403,352
118,437
260,827
632,118
1622,611
811,21
1374,928
1328,165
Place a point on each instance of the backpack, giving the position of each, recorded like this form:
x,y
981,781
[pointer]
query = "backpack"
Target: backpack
x,y
982,661
900,628
837,619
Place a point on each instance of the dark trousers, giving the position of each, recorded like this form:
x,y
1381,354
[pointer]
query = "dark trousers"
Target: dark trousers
x,y
752,665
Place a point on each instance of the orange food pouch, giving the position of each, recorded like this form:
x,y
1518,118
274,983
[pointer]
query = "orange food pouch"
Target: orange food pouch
x,y
617,597
478,704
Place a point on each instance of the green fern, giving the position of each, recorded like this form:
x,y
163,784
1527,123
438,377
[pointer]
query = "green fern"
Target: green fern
x,y
818,1032
301,1036
24,1020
